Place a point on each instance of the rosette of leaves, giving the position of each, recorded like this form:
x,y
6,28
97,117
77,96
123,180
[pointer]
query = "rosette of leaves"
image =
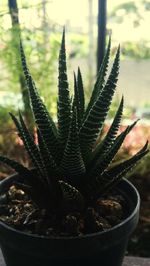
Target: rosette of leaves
x,y
71,168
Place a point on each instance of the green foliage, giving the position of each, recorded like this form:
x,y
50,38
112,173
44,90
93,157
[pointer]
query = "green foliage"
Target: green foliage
x,y
69,169
129,7
135,14
5,120
41,62
79,45
140,50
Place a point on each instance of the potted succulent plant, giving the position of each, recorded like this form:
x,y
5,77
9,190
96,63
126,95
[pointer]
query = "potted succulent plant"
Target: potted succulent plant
x,y
74,206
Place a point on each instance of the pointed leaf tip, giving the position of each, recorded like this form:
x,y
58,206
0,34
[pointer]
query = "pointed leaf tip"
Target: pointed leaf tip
x,y
145,147
64,29
75,79
109,42
63,39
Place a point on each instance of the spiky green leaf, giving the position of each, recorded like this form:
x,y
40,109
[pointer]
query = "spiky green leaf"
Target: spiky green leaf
x,y
81,92
50,165
29,144
63,106
99,84
95,119
19,168
42,117
72,164
77,102
105,145
116,173
111,177
116,170
106,159
51,170
72,197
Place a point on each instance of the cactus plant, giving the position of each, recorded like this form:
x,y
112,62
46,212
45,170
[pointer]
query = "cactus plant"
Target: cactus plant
x,y
72,169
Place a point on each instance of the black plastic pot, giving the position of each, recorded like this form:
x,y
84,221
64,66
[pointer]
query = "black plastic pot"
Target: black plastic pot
x,y
103,248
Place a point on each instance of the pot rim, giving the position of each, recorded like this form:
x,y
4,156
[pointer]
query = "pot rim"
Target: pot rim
x,y
97,234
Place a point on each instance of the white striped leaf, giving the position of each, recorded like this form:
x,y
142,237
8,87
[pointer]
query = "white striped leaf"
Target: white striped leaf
x,y
77,102
95,119
72,164
42,117
107,158
64,103
107,142
117,172
99,84
81,93
29,144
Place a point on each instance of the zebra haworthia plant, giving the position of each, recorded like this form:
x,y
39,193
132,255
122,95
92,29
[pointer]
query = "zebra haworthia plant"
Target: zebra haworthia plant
x,y
70,168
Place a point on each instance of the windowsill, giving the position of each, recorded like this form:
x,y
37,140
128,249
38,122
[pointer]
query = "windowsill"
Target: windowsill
x,y
134,261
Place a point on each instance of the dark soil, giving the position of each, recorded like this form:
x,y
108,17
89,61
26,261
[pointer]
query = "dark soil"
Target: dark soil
x,y
18,211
